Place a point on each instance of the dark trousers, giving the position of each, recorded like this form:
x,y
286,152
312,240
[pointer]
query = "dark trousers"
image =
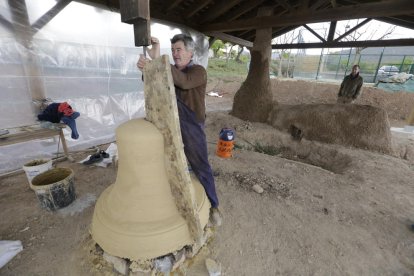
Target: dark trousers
x,y
195,149
70,121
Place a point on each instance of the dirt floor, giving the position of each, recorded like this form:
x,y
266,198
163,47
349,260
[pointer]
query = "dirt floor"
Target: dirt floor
x,y
335,211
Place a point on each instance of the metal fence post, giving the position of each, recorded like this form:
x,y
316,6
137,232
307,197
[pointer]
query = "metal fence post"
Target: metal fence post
x,y
339,64
402,63
347,63
379,64
319,65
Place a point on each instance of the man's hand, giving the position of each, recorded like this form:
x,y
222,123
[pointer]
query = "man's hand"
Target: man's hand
x,y
154,52
141,62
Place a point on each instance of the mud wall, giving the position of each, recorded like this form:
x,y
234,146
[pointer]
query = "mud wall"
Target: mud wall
x,y
360,126
290,91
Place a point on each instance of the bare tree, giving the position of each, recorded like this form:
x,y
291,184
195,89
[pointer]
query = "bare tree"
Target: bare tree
x,y
241,48
367,32
285,54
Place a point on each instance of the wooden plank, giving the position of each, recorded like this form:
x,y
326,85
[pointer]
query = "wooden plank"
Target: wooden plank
x,y
27,136
370,10
34,132
161,110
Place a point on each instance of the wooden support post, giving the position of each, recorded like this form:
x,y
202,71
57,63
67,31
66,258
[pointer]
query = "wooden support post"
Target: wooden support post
x,y
24,36
254,100
161,109
64,145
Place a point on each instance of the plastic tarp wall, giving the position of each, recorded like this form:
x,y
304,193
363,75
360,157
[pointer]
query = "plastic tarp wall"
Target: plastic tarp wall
x,y
83,55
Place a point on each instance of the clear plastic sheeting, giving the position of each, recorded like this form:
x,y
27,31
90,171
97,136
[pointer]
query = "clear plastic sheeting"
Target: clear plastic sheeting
x,y
81,54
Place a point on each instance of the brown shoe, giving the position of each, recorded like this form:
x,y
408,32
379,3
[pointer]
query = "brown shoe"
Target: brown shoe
x,y
216,218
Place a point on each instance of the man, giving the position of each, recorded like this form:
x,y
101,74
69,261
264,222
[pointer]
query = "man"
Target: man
x,y
190,81
350,86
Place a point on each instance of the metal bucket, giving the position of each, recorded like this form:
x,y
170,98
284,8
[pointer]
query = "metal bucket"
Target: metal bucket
x,y
55,188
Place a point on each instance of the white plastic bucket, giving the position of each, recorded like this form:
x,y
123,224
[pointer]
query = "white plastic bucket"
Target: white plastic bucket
x,y
36,167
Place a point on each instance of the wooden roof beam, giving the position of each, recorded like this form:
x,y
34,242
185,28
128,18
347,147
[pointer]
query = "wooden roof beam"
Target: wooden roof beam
x,y
282,31
5,23
304,4
314,33
318,4
353,29
195,7
370,10
285,5
172,5
231,39
348,44
396,21
244,8
47,17
218,10
332,28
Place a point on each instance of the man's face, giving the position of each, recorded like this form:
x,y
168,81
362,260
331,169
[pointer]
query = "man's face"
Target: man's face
x,y
181,56
355,70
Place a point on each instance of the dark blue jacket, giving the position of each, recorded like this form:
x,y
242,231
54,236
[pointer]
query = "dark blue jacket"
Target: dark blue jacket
x,y
51,113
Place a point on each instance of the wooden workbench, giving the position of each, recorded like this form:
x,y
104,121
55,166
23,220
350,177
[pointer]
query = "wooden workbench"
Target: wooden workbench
x,y
33,132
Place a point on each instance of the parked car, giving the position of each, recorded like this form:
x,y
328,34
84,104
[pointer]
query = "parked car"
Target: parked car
x,y
388,70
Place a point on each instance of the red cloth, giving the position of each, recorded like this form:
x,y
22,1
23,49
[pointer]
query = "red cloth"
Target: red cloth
x,y
65,108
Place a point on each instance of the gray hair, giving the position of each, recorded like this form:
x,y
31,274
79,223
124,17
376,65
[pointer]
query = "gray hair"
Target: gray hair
x,y
186,39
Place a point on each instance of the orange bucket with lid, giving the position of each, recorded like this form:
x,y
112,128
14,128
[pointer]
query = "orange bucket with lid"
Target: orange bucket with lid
x,y
225,143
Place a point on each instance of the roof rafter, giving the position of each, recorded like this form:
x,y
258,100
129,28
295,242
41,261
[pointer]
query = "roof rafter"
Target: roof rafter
x,y
48,16
353,29
332,28
218,10
231,39
396,21
242,9
285,5
173,5
314,33
370,10
303,5
195,7
7,24
318,4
